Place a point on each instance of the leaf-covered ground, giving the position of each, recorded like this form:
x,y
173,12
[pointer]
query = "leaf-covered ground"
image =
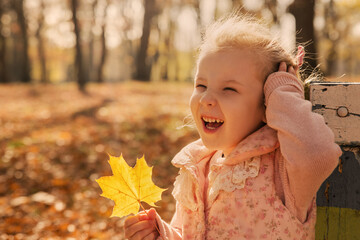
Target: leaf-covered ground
x,y
53,145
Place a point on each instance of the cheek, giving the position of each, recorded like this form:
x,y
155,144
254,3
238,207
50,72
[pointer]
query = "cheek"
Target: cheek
x,y
193,103
242,110
255,109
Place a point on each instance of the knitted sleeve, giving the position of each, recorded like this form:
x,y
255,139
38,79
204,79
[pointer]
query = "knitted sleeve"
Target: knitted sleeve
x,y
306,142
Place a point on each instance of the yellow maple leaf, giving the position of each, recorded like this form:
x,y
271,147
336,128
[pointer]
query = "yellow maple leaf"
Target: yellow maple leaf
x,y
128,186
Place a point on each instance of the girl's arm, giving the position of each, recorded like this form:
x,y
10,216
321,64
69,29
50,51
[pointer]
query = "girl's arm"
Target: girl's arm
x,y
171,231
306,142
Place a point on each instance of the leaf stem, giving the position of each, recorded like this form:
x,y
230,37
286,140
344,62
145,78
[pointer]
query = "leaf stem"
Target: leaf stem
x,y
155,225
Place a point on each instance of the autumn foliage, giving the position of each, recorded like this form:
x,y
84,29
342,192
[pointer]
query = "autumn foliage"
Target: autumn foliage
x,y
53,145
128,186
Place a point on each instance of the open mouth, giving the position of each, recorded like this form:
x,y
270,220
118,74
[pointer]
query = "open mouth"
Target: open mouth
x,y
212,123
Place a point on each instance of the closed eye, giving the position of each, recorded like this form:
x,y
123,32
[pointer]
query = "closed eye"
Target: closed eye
x,y
200,86
230,89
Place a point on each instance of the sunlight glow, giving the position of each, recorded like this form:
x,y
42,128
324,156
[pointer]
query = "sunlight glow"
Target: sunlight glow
x,y
288,31
253,5
356,30
207,11
187,36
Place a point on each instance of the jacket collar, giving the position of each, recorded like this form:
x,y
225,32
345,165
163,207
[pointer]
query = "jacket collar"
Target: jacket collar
x,y
260,142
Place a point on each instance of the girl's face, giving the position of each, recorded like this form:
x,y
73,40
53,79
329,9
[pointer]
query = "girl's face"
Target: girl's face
x,y
227,102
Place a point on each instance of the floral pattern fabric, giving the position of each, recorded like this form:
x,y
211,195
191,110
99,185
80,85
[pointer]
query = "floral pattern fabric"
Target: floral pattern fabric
x,y
240,201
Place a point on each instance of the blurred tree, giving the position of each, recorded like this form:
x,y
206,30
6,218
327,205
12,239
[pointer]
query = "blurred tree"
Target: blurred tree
x,y
103,45
272,5
3,69
41,43
142,66
166,53
339,37
332,34
128,44
349,33
91,64
81,79
196,5
168,61
18,6
304,17
237,4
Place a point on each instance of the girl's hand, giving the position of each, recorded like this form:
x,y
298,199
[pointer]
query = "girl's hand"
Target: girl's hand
x,y
141,226
284,68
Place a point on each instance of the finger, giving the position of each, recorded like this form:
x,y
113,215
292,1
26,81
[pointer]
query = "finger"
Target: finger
x,y
282,67
136,228
131,220
148,215
139,235
291,70
143,216
296,68
151,236
152,213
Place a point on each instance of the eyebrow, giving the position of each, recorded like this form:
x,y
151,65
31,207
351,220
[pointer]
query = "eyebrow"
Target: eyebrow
x,y
200,79
234,81
227,81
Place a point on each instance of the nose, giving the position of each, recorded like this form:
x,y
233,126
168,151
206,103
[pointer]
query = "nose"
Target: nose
x,y
208,99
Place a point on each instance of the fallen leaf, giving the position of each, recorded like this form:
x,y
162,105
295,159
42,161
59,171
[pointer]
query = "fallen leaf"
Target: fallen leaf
x,y
128,186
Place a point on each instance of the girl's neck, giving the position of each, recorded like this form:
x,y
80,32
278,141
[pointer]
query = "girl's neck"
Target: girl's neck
x,y
226,153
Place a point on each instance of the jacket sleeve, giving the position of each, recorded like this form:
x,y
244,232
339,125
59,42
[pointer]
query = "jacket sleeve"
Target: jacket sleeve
x,y
173,230
307,145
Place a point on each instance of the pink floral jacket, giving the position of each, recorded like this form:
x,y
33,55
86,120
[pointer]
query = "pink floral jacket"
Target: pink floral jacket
x,y
266,188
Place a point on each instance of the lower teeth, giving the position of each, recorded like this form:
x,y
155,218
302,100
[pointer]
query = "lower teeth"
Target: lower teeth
x,y
212,126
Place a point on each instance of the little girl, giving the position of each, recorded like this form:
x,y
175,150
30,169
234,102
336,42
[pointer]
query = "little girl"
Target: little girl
x,y
263,153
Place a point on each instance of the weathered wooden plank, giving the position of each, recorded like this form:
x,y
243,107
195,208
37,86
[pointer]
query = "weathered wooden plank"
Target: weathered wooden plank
x,y
342,187
339,103
334,223
338,199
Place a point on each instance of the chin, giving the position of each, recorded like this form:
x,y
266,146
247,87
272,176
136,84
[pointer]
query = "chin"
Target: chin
x,y
211,146
207,144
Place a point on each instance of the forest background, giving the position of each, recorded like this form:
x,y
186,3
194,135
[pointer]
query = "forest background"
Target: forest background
x,y
79,79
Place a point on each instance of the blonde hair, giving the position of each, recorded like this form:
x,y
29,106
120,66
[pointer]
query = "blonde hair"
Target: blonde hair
x,y
246,32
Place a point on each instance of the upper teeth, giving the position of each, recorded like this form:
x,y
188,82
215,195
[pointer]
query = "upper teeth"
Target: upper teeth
x,y
212,120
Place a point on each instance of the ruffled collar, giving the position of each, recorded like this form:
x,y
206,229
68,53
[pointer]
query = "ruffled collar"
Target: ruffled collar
x,y
260,142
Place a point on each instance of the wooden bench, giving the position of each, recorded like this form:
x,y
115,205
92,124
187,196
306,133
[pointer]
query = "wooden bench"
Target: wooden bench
x,y
338,199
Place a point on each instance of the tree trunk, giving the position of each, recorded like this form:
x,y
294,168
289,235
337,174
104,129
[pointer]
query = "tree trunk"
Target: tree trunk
x,y
81,80
3,72
237,5
18,6
169,51
90,63
272,5
103,48
303,12
142,67
331,19
41,49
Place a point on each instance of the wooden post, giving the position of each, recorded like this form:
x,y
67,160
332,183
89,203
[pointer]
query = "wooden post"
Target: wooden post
x,y
338,199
